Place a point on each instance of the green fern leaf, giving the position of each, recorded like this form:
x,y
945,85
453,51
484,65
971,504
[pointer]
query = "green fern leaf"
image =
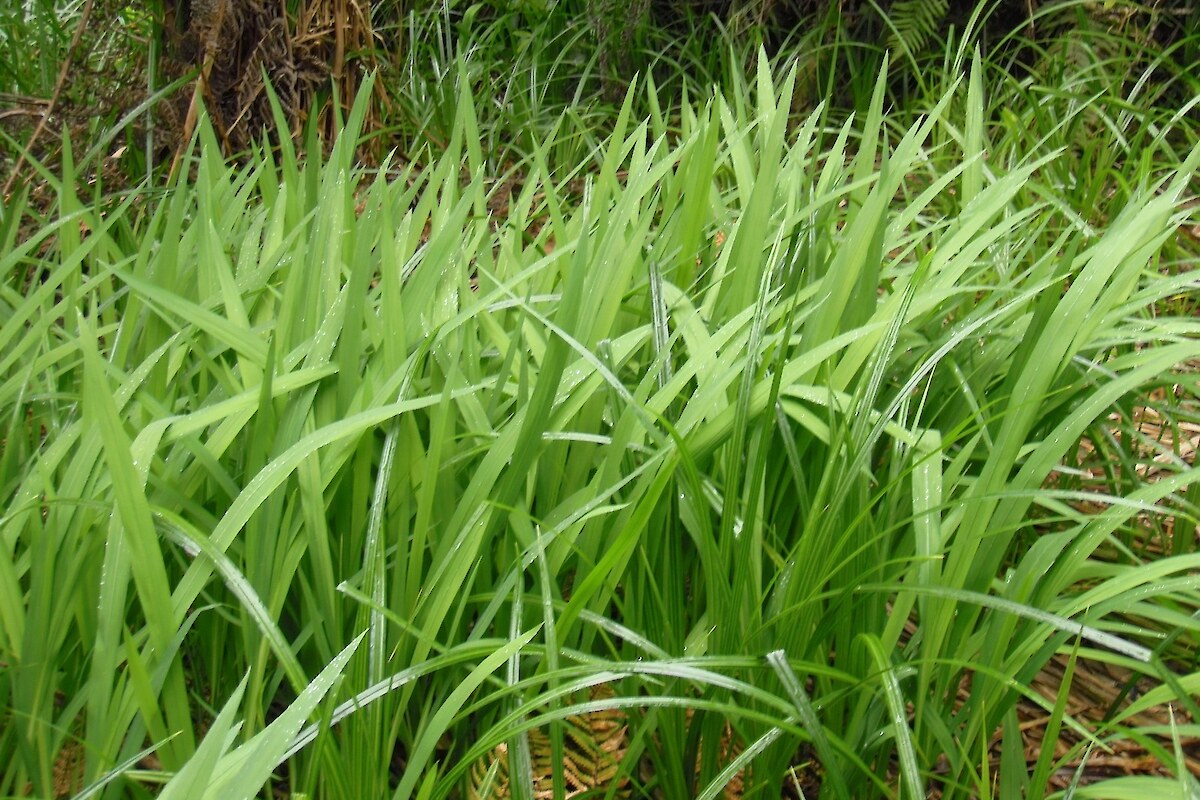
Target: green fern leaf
x,y
913,23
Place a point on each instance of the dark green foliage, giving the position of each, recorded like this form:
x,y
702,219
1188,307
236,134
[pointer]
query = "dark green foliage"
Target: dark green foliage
x,y
914,22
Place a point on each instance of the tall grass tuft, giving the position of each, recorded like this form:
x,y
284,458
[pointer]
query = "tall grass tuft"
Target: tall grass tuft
x,y
773,429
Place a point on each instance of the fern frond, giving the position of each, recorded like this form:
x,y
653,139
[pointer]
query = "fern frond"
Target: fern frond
x,y
594,746
913,23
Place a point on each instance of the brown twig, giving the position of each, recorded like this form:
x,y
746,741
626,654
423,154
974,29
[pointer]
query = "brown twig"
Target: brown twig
x,y
58,88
